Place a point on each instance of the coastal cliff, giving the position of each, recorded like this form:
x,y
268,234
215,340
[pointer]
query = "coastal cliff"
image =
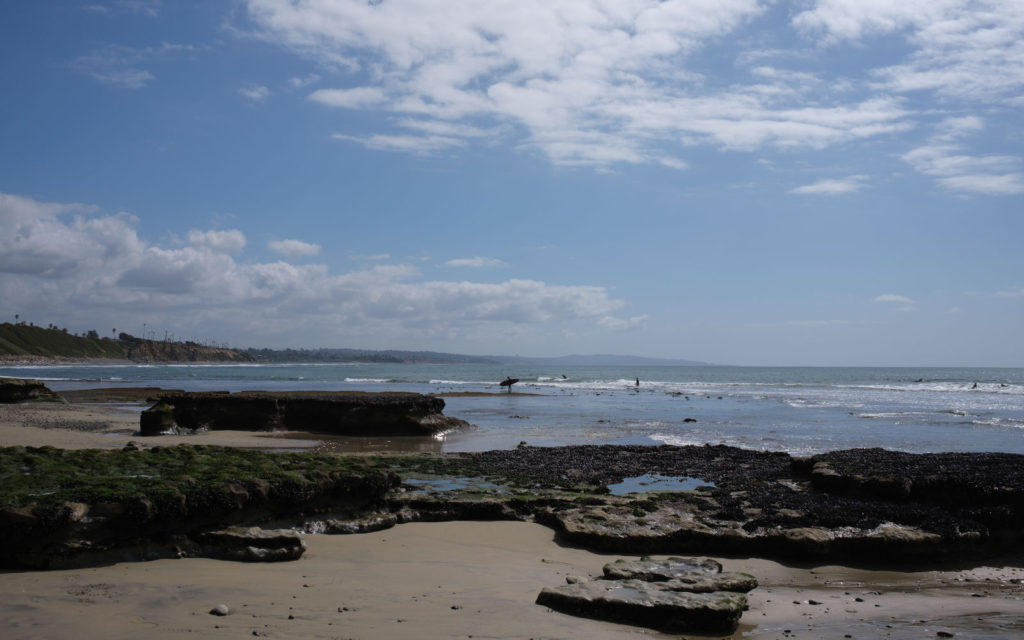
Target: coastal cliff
x,y
28,343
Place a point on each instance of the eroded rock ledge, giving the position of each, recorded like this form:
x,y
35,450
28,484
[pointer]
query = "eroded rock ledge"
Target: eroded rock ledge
x,y
338,413
856,506
678,595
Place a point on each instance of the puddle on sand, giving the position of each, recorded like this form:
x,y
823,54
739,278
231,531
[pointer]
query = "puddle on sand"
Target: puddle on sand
x,y
652,482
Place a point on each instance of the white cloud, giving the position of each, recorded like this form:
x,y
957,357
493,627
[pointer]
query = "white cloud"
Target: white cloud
x,y
294,248
897,302
120,66
963,49
358,98
67,262
590,83
623,324
255,92
894,298
475,262
229,241
944,158
834,186
408,143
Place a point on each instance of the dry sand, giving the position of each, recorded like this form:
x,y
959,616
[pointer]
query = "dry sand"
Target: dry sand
x,y
443,580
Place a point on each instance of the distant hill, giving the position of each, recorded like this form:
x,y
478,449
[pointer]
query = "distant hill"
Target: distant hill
x,y
607,360
366,355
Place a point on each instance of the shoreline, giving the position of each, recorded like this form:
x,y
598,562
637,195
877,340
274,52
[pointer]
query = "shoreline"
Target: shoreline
x,y
447,579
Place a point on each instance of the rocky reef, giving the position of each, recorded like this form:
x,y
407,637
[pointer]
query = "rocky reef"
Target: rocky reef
x,y
856,506
338,413
24,390
862,505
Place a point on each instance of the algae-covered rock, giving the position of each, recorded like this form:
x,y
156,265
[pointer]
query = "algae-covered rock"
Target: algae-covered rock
x,y
25,389
157,419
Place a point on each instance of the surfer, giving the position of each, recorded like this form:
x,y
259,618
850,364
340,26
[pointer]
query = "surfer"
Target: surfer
x,y
508,382
638,382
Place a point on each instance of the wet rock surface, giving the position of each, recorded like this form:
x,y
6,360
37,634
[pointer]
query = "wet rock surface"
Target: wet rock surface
x,y
683,596
867,505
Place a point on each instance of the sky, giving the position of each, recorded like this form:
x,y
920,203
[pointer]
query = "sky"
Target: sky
x,y
750,182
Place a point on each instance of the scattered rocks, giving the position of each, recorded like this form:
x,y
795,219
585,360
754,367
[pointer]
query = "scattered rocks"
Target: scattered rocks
x,y
686,596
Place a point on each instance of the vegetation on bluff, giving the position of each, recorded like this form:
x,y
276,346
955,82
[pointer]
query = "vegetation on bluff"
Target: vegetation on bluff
x,y
28,340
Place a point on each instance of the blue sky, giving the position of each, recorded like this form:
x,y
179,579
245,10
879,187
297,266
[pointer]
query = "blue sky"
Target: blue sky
x,y
824,182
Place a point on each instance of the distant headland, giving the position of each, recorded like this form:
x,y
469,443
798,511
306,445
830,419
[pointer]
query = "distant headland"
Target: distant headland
x,y
26,342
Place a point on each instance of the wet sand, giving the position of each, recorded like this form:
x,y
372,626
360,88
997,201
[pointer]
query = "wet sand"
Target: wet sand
x,y
443,580
112,426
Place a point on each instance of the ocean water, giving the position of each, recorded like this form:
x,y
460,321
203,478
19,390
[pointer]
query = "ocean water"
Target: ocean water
x,y
801,410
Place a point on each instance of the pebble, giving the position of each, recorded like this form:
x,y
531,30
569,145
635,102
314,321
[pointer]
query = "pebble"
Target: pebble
x,y
220,610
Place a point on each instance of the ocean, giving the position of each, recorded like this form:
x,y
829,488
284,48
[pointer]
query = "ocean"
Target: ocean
x,y
801,410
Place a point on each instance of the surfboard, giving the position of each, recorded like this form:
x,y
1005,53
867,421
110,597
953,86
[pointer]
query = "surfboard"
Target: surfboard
x,y
508,382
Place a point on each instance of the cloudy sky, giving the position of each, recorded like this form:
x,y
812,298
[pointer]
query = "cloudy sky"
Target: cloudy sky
x,y
815,182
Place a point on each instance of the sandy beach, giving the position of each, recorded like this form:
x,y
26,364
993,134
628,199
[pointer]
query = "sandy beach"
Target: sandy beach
x,y
444,580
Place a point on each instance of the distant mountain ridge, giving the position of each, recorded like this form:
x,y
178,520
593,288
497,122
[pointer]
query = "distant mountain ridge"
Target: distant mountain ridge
x,y
609,360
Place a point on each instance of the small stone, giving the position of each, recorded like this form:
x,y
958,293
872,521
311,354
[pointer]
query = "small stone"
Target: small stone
x,y
945,634
220,610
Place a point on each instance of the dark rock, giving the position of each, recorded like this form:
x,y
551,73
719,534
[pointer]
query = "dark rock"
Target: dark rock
x,y
25,389
252,544
157,420
338,413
